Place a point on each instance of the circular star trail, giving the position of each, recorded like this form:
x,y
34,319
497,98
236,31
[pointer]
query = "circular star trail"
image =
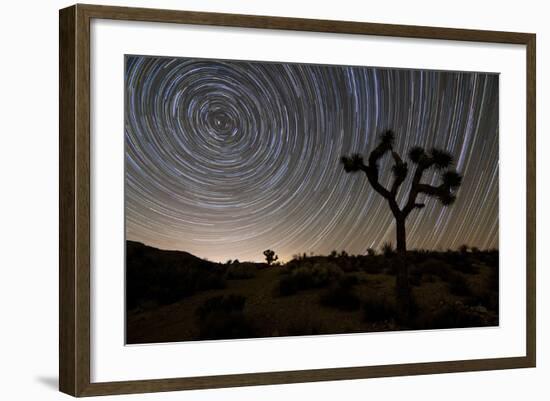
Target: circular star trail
x,y
225,159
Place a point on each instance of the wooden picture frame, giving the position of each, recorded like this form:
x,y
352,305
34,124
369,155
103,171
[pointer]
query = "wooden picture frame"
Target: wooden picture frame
x,y
74,203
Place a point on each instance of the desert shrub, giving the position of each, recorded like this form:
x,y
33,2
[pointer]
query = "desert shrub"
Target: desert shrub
x,y
168,285
341,295
453,316
413,257
168,294
349,280
222,317
415,276
373,268
493,279
428,278
466,267
288,285
209,281
390,266
241,271
304,327
459,286
487,299
378,309
371,252
453,257
349,264
230,325
437,268
387,249
491,258
324,273
373,265
308,276
221,303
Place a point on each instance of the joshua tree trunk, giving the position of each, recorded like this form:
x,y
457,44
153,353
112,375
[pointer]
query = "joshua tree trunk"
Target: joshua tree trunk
x,y
401,236
402,279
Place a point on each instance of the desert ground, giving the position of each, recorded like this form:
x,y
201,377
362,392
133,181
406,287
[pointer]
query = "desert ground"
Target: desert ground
x,y
175,296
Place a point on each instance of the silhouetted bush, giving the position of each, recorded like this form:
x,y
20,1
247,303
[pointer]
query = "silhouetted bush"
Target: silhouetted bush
x,y
487,299
241,271
341,295
349,280
437,268
387,249
221,303
378,309
308,276
493,279
453,316
218,326
458,285
209,281
428,278
305,327
373,264
222,317
415,276
489,257
287,286
466,268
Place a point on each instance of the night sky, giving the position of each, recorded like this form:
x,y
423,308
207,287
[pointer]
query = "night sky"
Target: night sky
x,y
225,159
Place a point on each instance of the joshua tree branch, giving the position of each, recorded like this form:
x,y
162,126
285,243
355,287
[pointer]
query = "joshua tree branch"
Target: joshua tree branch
x,y
411,202
355,163
372,175
443,192
400,171
431,190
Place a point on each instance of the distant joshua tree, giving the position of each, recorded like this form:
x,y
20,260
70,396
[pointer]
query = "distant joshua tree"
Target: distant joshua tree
x,y
445,192
270,256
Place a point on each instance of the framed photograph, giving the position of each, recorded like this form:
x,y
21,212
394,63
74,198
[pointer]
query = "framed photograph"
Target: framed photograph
x,y
250,200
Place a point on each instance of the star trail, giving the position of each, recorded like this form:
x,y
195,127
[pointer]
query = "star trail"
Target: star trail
x,y
225,159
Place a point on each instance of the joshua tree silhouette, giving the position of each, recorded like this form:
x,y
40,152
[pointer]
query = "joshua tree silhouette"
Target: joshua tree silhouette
x,y
270,256
424,160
